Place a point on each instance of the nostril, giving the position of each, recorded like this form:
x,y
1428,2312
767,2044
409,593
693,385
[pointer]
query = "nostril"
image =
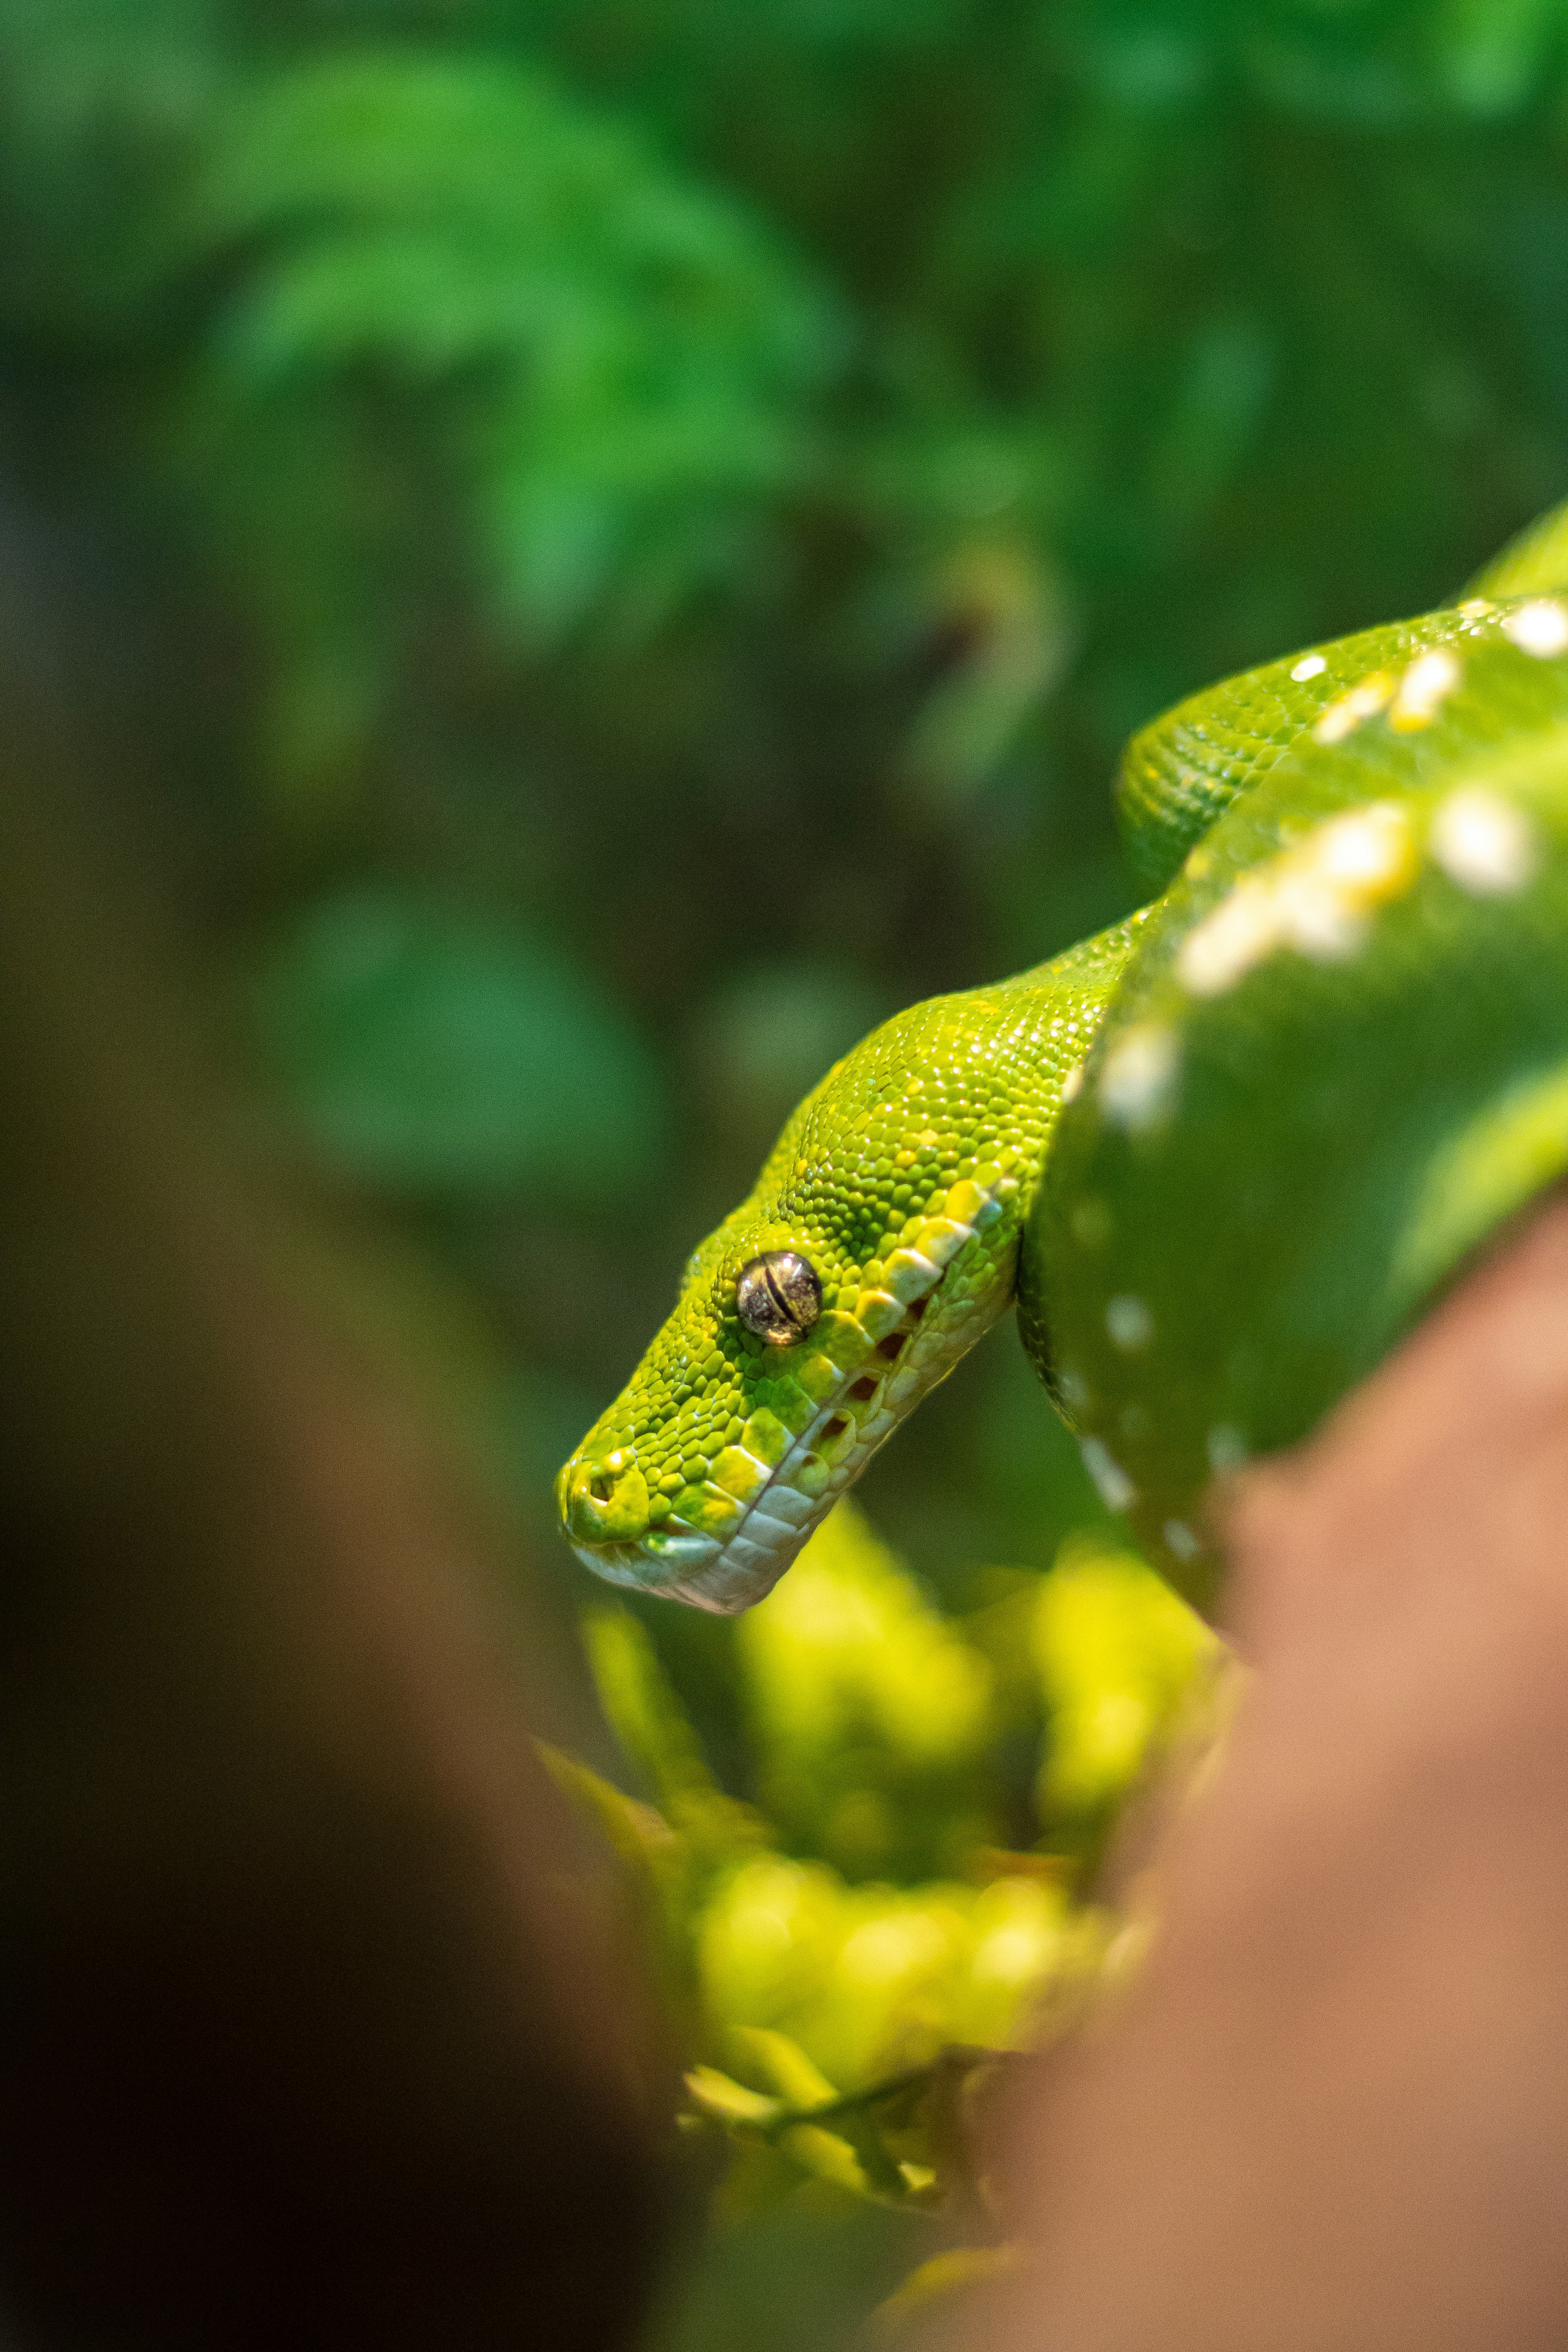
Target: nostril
x,y
609,1501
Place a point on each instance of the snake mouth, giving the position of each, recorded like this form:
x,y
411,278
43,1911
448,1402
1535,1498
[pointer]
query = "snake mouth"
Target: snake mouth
x,y
894,1349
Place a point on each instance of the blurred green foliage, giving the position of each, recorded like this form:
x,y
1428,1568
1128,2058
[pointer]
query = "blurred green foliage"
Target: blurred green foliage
x,y
845,1955
425,1050
615,542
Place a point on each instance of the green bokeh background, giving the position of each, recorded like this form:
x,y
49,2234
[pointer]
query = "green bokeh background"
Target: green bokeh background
x,y
612,543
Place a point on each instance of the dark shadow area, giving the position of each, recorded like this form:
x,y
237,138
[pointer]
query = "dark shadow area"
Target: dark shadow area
x,y
313,2028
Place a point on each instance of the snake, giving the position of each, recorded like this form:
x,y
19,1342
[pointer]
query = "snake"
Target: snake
x,y
1220,1156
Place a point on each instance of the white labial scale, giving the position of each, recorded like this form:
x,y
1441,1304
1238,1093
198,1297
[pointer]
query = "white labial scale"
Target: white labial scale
x,y
908,1275
723,1591
942,1239
686,1551
787,1503
767,1529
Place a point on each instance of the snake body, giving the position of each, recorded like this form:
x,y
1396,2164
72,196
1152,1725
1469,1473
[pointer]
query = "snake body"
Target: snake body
x,y
1220,1156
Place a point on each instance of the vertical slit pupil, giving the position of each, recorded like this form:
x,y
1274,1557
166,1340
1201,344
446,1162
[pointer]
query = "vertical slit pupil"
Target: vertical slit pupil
x,y
781,1299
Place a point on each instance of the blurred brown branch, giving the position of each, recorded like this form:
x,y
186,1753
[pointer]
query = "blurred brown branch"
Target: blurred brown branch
x,y
311,2029
1334,2111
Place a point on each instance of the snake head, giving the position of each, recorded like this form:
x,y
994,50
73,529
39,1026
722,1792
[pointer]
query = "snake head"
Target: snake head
x,y
880,1241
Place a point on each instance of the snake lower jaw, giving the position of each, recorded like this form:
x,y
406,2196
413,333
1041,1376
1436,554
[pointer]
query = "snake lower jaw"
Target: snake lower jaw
x,y
722,1577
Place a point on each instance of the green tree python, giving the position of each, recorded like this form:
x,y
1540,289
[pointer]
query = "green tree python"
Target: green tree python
x,y
1221,1155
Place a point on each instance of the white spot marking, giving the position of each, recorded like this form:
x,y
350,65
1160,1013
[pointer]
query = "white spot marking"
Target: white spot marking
x,y
1228,943
1363,701
1425,688
1313,897
1181,1539
1316,919
1137,1076
1310,665
1484,843
1540,627
1129,1322
1072,1085
1363,850
1116,1488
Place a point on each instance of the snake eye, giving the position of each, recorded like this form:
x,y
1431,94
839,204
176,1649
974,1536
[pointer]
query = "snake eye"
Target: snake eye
x,y
778,1296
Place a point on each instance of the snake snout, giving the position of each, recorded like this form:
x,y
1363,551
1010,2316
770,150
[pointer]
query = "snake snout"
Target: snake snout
x,y
604,1499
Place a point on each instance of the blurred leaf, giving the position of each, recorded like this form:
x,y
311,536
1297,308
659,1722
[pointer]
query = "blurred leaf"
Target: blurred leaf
x,y
625,350
1492,54
430,1052
945,2275
795,2275
1009,638
832,2137
868,1710
783,2065
101,102
643,1710
727,2101
1118,1655
827,2155
767,1938
636,1832
869,1980
1216,413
